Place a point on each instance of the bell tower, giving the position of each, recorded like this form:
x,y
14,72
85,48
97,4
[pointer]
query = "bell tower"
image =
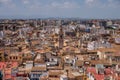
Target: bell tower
x,y
61,40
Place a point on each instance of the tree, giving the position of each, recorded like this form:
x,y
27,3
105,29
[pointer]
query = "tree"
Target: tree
x,y
1,75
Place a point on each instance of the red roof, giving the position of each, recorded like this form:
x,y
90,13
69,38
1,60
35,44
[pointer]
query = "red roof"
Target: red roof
x,y
4,64
8,76
118,77
91,70
7,71
108,71
99,77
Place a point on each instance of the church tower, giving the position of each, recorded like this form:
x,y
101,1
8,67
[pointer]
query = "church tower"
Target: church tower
x,y
61,40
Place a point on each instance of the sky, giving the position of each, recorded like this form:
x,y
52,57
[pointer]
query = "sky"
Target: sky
x,y
60,8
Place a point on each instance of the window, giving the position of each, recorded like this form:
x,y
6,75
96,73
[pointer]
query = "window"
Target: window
x,y
14,57
10,57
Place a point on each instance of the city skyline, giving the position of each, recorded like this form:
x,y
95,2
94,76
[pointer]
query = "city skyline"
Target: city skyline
x,y
60,8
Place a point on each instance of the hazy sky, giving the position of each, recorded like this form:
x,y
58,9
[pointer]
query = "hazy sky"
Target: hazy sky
x,y
60,8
